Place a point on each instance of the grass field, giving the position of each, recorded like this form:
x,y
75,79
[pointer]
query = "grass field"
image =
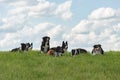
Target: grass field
x,y
36,66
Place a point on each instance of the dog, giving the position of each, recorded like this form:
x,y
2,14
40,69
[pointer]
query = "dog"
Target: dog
x,y
97,49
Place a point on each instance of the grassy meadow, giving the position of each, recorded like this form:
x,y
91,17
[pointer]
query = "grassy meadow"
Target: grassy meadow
x,y
33,65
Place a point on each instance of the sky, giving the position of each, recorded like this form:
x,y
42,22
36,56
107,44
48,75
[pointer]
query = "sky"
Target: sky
x,y
83,23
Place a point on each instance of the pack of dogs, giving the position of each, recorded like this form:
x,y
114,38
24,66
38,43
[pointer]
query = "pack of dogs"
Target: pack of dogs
x,y
54,51
58,50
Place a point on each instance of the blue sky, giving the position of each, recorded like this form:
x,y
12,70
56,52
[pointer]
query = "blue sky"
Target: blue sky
x,y
82,23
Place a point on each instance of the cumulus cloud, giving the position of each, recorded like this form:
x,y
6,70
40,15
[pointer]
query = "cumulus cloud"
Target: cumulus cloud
x,y
22,23
13,23
56,31
20,20
31,34
102,13
40,8
18,3
64,11
43,8
101,27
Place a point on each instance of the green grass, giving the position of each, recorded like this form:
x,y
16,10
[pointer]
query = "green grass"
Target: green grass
x,y
36,66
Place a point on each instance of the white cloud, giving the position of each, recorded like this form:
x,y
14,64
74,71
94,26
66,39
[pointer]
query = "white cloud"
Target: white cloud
x,y
13,23
23,24
18,4
55,35
8,1
8,40
117,28
20,21
31,34
17,11
102,26
21,12
46,8
82,27
43,8
102,13
55,31
64,11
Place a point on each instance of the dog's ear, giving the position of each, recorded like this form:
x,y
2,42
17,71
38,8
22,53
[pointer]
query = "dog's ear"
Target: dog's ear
x,y
99,45
94,46
66,43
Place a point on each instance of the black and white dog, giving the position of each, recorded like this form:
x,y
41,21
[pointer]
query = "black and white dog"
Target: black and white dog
x,y
78,51
26,46
45,44
97,49
64,46
59,50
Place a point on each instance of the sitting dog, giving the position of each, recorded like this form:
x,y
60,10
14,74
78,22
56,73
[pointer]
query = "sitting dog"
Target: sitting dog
x,y
45,45
97,49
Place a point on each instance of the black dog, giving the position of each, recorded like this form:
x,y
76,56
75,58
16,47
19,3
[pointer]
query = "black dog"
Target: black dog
x,y
15,49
